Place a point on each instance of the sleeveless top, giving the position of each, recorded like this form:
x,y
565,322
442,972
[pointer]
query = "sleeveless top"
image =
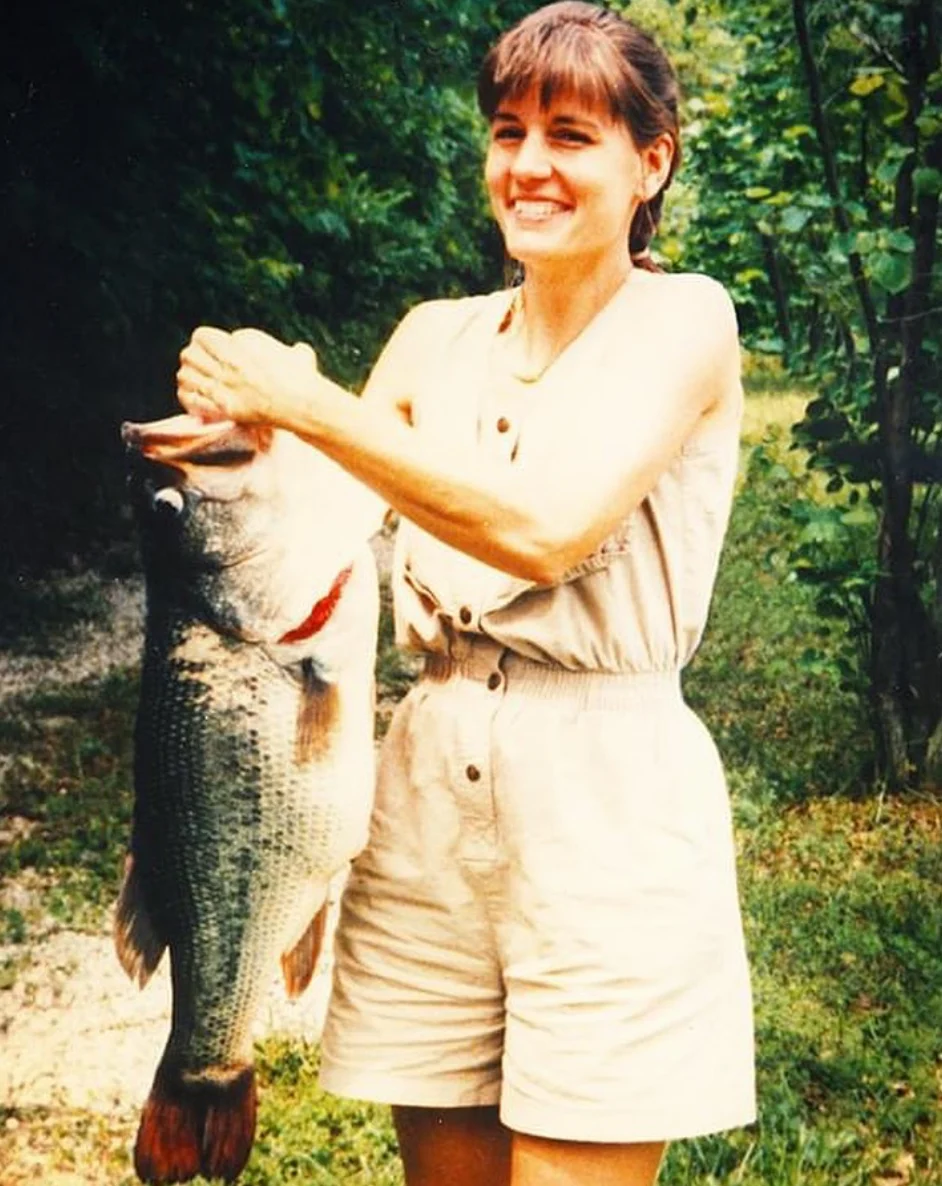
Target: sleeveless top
x,y
639,603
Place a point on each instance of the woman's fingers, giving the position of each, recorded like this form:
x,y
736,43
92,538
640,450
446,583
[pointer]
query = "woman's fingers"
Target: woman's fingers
x,y
197,360
200,392
204,367
240,376
216,343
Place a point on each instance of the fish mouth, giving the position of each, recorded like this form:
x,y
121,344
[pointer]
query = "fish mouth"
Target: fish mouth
x,y
183,441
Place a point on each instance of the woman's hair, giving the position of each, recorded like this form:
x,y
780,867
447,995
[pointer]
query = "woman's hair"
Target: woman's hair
x,y
579,49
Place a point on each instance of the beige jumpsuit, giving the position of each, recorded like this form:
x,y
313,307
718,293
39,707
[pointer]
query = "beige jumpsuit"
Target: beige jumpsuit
x,y
546,913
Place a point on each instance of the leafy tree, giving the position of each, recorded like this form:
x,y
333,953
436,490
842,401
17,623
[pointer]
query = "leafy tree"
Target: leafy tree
x,y
824,179
309,166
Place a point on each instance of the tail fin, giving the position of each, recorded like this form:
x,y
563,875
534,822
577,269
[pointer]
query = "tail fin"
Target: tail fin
x,y
193,1126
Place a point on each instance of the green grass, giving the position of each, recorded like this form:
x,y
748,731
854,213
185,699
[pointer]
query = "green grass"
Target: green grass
x,y
840,890
68,784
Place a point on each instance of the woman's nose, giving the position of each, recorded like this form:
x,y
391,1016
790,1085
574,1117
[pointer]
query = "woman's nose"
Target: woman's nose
x,y
532,158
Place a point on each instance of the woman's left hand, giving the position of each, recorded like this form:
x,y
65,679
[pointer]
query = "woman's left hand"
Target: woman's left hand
x,y
246,375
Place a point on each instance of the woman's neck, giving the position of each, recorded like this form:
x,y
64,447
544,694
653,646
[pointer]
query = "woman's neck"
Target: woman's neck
x,y
556,306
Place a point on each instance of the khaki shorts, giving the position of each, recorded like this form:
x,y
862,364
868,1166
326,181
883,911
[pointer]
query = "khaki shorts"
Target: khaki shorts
x,y
546,914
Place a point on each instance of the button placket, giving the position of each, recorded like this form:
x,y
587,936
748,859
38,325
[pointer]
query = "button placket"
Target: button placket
x,y
472,772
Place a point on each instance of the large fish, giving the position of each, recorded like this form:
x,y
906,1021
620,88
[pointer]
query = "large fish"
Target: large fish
x,y
254,757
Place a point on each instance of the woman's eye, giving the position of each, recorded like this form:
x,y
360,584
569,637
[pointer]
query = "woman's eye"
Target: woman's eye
x,y
507,133
570,136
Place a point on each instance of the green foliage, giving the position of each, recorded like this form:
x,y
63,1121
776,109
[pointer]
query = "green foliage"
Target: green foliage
x,y
331,1142
306,166
818,175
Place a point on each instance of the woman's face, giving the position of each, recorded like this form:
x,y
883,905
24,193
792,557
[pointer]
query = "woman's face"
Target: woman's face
x,y
564,181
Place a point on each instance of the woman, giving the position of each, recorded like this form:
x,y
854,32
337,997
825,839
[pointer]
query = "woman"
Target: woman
x,y
540,961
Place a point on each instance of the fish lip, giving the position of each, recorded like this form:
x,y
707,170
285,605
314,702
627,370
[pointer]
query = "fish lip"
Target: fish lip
x,y
180,441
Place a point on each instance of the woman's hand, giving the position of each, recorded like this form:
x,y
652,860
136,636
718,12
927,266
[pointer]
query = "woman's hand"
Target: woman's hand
x,y
247,376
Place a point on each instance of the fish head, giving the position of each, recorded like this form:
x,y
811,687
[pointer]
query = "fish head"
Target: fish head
x,y
199,490
246,522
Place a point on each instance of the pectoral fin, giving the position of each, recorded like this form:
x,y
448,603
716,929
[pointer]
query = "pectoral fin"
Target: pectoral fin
x,y
298,964
317,713
136,940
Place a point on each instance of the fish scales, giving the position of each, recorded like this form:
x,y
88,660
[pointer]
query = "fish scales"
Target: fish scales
x,y
253,753
233,833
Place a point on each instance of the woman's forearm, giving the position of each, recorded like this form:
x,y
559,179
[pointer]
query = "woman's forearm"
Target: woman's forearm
x,y
452,493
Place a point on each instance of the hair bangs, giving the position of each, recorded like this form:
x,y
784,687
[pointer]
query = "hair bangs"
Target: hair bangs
x,y
570,61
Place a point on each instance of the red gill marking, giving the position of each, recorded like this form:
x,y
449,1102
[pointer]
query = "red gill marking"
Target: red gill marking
x,y
322,610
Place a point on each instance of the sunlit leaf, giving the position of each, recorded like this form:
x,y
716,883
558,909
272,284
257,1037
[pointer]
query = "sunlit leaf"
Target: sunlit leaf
x,y
890,270
866,84
794,219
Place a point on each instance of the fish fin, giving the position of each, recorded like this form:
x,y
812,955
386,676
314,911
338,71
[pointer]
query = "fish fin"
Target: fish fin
x,y
168,1142
229,1128
298,964
136,940
317,713
196,1126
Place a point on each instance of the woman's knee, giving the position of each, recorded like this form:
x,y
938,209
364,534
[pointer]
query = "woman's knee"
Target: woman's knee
x,y
539,1161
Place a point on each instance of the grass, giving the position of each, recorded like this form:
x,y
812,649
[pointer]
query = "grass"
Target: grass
x,y
840,890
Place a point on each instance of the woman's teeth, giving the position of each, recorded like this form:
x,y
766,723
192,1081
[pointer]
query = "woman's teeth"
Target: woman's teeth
x,y
536,211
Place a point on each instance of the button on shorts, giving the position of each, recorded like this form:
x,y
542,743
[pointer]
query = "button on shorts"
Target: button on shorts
x,y
545,916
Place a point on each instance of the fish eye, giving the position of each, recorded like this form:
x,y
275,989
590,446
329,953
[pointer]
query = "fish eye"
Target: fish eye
x,y
169,497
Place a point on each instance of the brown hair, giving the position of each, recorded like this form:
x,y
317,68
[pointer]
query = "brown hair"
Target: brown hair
x,y
575,48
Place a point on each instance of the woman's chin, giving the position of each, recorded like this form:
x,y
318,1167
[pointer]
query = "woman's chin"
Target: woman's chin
x,y
536,249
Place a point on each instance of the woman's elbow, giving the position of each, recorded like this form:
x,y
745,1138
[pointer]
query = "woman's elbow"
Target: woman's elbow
x,y
539,557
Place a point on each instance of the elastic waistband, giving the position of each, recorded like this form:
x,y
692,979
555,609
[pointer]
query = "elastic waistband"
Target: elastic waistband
x,y
501,670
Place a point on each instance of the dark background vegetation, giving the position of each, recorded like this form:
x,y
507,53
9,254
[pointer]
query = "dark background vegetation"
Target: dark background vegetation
x,y
312,167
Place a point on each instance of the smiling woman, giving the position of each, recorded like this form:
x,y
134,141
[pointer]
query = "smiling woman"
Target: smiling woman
x,y
540,959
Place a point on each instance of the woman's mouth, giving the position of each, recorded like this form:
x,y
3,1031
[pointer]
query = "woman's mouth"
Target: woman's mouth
x,y
535,210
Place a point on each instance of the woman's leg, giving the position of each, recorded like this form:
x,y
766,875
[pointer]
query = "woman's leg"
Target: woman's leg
x,y
453,1146
537,1161
470,1147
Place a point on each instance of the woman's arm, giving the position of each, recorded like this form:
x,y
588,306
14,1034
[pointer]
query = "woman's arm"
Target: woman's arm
x,y
585,465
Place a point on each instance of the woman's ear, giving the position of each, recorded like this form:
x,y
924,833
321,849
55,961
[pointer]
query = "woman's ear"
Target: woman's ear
x,y
656,160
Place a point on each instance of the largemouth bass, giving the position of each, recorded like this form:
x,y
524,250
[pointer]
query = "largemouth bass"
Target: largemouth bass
x,y
254,756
